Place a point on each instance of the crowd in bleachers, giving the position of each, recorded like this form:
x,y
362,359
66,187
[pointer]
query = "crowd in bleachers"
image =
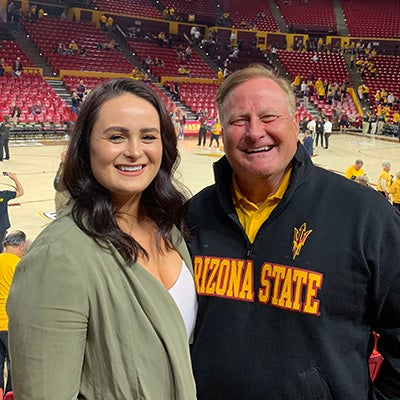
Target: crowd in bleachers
x,y
81,46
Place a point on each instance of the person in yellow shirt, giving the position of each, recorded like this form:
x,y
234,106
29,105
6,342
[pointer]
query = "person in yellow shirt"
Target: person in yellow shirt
x,y
396,117
15,246
109,24
73,47
384,180
220,75
103,21
394,190
355,170
216,130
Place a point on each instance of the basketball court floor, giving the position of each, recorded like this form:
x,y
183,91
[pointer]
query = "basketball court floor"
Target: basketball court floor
x,y
36,164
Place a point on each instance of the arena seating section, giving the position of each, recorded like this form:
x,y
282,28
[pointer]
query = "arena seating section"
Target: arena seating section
x,y
244,14
199,8
25,92
388,76
197,66
138,8
372,19
47,33
197,95
313,15
10,50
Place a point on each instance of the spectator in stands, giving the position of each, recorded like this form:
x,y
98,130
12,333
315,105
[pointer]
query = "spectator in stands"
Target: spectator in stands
x,y
10,11
60,48
37,108
111,45
73,47
188,53
110,24
179,52
97,288
183,71
17,68
15,112
161,39
233,39
15,247
193,29
158,62
103,21
75,102
17,20
220,75
197,37
2,69
63,15
235,53
171,14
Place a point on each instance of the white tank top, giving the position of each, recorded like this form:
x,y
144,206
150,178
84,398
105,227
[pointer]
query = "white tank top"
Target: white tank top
x,y
184,293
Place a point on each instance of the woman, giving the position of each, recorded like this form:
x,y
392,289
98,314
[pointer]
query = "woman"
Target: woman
x,y
90,312
384,180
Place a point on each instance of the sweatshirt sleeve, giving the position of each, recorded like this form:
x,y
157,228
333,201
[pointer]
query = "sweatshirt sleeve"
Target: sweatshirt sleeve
x,y
48,314
387,290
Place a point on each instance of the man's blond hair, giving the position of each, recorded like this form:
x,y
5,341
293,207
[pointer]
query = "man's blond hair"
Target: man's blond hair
x,y
254,71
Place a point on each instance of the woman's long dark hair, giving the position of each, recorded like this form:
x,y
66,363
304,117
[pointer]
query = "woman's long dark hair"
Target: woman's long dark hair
x,y
93,210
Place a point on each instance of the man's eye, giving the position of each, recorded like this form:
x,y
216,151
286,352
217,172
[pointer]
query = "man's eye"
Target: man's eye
x,y
268,118
239,122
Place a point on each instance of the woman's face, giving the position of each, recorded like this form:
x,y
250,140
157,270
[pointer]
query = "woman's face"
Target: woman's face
x,y
125,146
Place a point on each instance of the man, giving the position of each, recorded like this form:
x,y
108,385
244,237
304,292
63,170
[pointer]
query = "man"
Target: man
x,y
5,138
5,197
294,265
327,131
15,112
14,250
319,131
355,170
311,127
17,68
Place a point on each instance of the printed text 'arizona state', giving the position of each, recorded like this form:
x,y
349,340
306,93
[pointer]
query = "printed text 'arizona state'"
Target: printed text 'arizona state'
x,y
286,287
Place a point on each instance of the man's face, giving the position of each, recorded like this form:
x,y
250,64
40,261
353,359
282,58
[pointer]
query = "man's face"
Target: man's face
x,y
259,132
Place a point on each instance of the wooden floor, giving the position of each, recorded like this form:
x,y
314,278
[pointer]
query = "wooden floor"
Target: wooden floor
x,y
36,163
